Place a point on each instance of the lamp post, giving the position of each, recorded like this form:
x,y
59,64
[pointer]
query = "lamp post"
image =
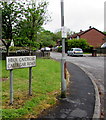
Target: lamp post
x,y
105,16
63,81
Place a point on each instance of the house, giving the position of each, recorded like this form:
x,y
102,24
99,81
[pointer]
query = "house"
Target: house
x,y
93,36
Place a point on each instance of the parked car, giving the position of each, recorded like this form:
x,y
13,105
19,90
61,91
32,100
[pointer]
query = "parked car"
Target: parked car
x,y
75,52
22,51
45,49
55,48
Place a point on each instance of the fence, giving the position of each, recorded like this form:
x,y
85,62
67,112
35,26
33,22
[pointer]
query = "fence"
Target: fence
x,y
101,51
37,54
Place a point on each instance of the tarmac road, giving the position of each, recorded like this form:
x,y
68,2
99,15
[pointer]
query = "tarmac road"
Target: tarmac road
x,y
80,101
93,66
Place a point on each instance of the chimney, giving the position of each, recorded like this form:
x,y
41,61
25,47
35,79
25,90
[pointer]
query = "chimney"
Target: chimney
x,y
90,27
80,30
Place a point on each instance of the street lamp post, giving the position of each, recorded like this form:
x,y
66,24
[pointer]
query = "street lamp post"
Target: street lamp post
x,y
105,16
63,81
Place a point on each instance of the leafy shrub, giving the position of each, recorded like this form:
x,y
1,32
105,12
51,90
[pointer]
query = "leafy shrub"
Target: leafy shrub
x,y
12,48
88,49
59,49
78,43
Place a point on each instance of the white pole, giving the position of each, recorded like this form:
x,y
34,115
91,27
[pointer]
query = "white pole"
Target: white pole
x,y
63,81
105,16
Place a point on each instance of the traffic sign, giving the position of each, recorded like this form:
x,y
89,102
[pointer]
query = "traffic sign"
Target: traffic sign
x,y
64,32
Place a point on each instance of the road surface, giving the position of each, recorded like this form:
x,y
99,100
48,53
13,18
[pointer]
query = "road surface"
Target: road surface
x,y
93,66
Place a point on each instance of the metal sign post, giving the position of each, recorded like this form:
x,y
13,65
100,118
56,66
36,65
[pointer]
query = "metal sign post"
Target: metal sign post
x,y
63,81
30,81
20,62
11,87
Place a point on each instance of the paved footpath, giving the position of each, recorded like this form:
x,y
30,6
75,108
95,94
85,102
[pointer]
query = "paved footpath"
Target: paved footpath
x,y
80,99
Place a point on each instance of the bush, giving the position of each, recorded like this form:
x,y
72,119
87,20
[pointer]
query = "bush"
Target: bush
x,y
14,48
78,43
88,49
59,49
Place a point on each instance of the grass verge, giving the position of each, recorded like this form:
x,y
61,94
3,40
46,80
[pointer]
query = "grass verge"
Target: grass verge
x,y
45,88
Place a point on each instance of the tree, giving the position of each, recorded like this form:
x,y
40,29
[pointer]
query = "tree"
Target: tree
x,y
34,18
11,14
22,22
57,35
104,32
46,38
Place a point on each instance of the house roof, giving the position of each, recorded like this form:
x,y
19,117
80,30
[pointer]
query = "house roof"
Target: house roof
x,y
83,32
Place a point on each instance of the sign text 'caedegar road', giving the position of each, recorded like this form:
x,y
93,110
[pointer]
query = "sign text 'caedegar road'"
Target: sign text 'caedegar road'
x,y
20,62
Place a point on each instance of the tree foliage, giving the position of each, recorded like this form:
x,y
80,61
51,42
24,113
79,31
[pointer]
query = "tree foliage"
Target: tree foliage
x,y
104,32
34,18
58,35
46,38
11,14
22,22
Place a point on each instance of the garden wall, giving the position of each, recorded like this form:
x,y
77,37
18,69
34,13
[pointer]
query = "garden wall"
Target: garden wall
x,y
37,54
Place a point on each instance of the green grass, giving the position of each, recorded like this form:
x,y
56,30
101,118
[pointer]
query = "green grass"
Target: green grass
x,y
45,88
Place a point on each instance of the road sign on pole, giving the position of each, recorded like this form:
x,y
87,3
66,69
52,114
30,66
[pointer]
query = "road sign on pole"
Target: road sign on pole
x,y
64,32
20,62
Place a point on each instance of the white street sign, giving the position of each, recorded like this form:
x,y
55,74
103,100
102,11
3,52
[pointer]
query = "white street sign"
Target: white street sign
x,y
64,32
20,62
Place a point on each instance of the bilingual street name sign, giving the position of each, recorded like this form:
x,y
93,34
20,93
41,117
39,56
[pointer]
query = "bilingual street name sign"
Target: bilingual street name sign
x,y
20,62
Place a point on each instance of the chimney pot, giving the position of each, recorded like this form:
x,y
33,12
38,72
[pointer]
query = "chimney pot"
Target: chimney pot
x,y
90,27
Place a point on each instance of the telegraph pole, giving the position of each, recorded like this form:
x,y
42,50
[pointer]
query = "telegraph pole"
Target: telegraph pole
x,y
63,81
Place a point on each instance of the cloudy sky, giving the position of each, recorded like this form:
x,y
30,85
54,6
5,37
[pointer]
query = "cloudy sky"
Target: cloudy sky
x,y
78,14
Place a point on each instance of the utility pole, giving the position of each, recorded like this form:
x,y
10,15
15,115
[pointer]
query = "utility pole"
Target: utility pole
x,y
63,81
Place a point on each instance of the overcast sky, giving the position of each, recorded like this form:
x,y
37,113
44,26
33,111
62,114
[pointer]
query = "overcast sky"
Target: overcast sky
x,y
78,14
